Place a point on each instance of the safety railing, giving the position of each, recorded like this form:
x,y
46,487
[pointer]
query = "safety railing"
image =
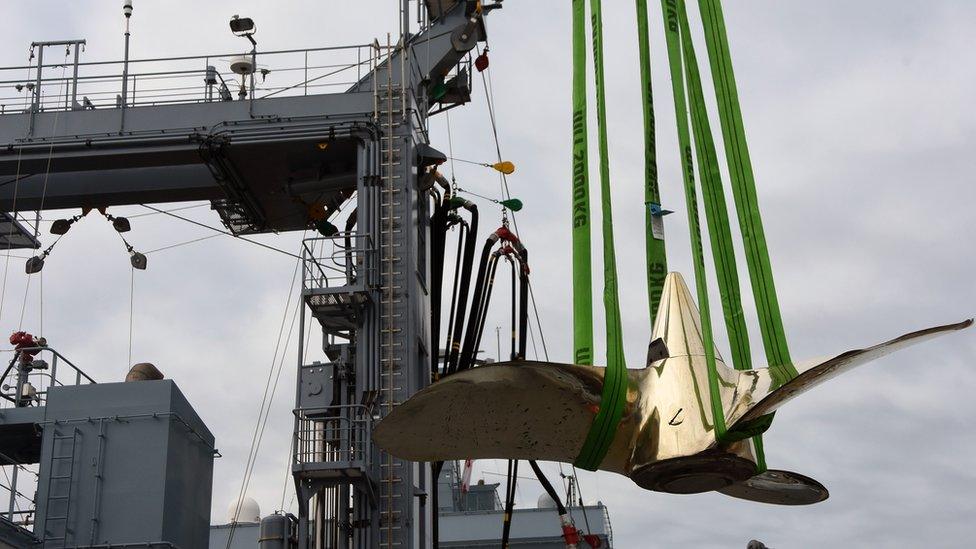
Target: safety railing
x,y
17,491
49,85
334,436
341,260
28,376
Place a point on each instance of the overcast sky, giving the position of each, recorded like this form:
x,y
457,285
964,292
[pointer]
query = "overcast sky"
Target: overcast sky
x,y
862,130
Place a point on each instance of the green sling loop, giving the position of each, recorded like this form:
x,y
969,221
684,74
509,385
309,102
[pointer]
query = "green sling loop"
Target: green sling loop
x,y
744,192
672,27
716,214
582,270
604,426
657,261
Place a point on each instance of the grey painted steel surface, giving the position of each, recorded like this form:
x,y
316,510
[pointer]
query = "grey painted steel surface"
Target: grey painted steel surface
x,y
246,535
387,340
531,528
124,463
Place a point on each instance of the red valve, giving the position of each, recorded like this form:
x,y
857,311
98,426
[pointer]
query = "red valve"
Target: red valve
x,y
481,62
593,540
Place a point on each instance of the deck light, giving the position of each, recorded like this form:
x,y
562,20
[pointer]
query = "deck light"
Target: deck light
x,y
243,26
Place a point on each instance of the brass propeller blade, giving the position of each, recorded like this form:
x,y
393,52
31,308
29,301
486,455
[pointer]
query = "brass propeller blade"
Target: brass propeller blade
x,y
666,438
779,488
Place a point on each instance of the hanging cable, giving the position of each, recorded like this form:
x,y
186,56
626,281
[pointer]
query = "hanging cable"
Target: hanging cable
x,y
221,231
265,405
132,292
509,501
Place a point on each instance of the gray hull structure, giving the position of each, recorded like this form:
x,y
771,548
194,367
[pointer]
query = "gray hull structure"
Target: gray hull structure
x,y
273,154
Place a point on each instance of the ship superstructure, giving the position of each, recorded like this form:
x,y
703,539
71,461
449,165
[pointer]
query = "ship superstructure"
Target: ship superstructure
x,y
348,129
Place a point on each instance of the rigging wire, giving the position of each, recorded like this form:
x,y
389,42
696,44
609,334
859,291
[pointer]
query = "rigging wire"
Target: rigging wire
x,y
166,211
195,240
264,400
267,398
221,231
490,102
13,215
132,292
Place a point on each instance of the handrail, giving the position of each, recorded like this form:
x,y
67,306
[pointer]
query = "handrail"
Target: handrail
x,y
100,83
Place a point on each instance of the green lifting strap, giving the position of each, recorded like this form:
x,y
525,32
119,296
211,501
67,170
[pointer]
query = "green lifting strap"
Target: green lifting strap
x,y
672,25
604,426
657,260
582,270
716,214
744,193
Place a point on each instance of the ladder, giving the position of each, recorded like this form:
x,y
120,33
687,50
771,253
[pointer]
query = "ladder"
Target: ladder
x,y
390,114
57,508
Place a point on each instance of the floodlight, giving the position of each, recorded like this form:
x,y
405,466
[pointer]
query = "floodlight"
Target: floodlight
x,y
241,25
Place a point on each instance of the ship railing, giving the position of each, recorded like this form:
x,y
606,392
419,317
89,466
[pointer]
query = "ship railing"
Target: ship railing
x,y
62,85
28,376
345,259
335,437
15,488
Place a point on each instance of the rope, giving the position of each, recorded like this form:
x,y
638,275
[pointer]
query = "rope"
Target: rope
x,y
265,404
171,246
132,292
221,231
168,211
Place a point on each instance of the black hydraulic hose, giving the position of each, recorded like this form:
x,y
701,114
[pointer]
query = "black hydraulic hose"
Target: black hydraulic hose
x,y
509,502
474,318
438,237
435,470
456,349
347,240
512,354
547,486
462,301
471,355
523,300
462,234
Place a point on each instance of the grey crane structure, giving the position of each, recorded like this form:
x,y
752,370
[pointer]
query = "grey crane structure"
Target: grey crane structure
x,y
283,161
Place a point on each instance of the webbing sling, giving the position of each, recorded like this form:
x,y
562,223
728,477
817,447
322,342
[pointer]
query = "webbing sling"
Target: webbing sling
x,y
582,270
657,261
604,426
672,28
744,193
716,209
716,214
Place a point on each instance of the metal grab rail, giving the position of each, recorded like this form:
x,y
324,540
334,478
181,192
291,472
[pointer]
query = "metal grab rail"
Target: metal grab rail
x,y
343,259
187,79
39,369
333,434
